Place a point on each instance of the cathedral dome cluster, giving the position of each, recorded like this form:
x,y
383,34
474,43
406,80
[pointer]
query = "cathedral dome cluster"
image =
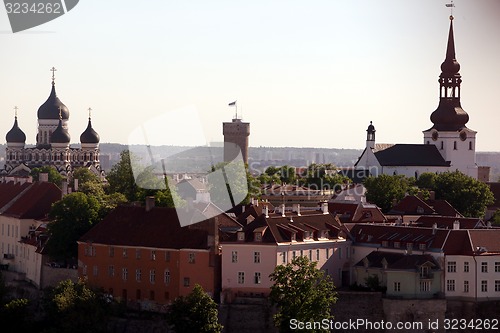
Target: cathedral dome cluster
x,y
52,142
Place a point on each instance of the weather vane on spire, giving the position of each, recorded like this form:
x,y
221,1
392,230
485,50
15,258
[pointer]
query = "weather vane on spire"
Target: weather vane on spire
x,y
53,70
450,5
90,112
15,109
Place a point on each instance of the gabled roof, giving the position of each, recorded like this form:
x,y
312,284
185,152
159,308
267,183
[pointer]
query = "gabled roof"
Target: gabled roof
x,y
356,212
485,241
412,205
9,191
279,229
443,208
398,261
159,227
411,155
35,202
446,222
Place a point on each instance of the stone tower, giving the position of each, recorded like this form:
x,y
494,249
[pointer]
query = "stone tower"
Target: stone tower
x,y
235,139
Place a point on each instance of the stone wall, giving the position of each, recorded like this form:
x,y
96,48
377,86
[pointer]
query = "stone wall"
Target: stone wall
x,y
51,276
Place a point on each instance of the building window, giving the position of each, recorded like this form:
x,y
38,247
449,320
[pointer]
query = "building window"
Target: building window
x,y
450,285
497,266
294,254
301,253
397,286
256,257
442,145
191,258
454,145
484,286
283,257
137,253
111,251
484,267
187,282
84,269
257,278
422,246
167,256
310,255
152,276
111,270
124,253
385,243
153,255
317,254
466,286
452,267
497,285
234,256
167,276
424,271
241,277
138,274
96,270
470,145
397,245
425,286
466,267
327,253
124,274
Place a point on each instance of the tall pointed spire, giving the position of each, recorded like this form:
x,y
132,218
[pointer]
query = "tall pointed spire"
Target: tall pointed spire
x,y
449,116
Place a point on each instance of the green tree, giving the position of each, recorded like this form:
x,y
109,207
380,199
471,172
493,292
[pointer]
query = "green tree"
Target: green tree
x,y
496,218
285,174
324,177
302,292
15,313
427,180
121,177
74,307
468,195
71,217
54,176
235,179
382,190
196,312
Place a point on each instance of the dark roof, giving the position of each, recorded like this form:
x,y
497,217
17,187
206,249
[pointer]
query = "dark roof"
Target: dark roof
x,y
89,135
50,109
15,134
278,229
356,212
412,205
398,261
446,222
443,208
411,155
9,191
60,134
35,202
159,227
485,241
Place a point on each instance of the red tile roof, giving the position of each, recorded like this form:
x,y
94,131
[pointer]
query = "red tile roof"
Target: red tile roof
x,y
446,222
9,191
412,205
356,212
35,202
160,228
485,241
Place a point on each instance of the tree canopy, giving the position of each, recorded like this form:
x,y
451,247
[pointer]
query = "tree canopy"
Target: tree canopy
x,y
302,292
384,189
196,312
54,176
71,217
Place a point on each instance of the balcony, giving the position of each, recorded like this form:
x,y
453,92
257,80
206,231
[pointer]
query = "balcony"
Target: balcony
x,y
426,276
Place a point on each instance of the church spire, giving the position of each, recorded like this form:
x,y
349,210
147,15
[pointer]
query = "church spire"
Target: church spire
x,y
449,116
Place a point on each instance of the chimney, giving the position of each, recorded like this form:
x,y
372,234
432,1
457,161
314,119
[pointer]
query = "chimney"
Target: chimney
x,y
43,177
456,225
150,203
432,195
75,184
266,210
296,209
434,228
324,207
282,210
64,186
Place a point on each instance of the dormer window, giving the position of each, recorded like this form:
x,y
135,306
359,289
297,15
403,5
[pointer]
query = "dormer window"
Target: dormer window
x,y
385,243
258,237
420,210
241,236
293,237
422,246
397,245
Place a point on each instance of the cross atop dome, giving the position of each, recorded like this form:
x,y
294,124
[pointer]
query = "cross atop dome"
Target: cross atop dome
x,y
53,70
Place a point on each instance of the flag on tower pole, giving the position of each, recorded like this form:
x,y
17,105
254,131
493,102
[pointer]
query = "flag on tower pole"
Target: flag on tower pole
x,y
450,5
232,103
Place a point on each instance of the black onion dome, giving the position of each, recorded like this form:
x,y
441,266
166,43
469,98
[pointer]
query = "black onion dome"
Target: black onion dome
x,y
60,135
371,128
16,134
50,109
449,116
89,135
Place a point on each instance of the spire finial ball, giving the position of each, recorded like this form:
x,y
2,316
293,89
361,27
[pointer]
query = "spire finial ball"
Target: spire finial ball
x,y
451,17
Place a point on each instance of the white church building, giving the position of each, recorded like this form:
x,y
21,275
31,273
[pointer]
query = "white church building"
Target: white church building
x,y
448,145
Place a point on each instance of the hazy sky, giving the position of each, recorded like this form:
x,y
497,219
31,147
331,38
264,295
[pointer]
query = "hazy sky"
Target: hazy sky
x,y
305,73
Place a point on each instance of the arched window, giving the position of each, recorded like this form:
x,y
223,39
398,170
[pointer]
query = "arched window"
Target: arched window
x,y
454,145
442,145
416,174
470,145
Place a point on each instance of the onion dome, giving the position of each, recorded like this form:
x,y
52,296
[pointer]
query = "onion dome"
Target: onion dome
x,y
60,135
89,135
15,135
50,109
